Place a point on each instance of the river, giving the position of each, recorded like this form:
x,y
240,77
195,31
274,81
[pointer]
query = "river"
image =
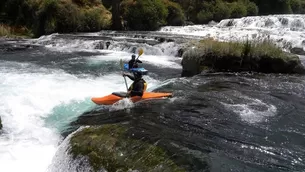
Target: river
x,y
214,122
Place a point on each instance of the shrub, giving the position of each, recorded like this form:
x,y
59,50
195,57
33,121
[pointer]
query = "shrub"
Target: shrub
x,y
145,15
295,6
63,17
252,9
221,11
175,14
92,20
207,14
238,9
204,16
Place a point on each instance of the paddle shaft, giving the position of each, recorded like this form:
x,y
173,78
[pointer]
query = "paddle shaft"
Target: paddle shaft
x,y
140,53
122,67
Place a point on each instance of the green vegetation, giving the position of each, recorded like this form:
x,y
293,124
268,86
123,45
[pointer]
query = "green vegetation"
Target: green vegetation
x,y
145,15
49,16
109,147
258,56
8,31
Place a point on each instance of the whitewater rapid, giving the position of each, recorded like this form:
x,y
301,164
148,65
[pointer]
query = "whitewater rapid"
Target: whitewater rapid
x,y
37,103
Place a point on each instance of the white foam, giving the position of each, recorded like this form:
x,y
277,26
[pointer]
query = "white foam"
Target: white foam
x,y
286,31
63,162
27,98
253,111
159,61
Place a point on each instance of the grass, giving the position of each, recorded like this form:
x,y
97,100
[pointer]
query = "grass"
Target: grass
x,y
246,49
14,32
260,55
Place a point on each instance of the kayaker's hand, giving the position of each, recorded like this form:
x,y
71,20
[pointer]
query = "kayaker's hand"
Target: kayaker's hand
x,y
128,94
124,74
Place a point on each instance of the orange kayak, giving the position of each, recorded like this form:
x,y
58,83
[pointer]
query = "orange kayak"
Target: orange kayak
x,y
116,96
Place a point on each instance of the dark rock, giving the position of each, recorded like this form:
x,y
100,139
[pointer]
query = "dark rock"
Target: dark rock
x,y
107,44
180,52
188,23
299,51
191,67
0,124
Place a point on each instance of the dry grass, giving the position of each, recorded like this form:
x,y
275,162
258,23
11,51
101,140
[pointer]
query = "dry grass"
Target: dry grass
x,y
5,30
259,55
14,31
249,49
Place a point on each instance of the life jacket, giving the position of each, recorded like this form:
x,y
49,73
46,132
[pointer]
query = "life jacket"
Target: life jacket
x,y
132,85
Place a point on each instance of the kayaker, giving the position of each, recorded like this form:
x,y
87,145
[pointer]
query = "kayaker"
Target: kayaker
x,y
133,63
138,86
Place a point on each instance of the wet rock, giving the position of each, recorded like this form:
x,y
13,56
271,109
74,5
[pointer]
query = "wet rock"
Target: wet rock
x,y
180,52
0,124
299,51
191,67
109,147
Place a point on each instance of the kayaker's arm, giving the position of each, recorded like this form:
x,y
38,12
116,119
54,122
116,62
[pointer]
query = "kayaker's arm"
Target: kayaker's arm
x,y
129,76
139,61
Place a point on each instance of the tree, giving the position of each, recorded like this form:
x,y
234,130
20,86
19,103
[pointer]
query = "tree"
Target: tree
x,y
116,16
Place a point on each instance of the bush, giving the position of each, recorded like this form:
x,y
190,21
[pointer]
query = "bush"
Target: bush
x,y
295,6
238,10
204,16
252,9
207,14
94,21
67,18
221,11
63,17
175,15
145,15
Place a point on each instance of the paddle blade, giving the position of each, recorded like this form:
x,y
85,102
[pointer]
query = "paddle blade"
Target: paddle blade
x,y
140,51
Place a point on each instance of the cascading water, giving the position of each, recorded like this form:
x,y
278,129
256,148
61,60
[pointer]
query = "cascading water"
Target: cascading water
x,y
286,31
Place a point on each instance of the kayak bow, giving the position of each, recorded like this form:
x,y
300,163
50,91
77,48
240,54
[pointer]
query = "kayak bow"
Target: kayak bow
x,y
117,96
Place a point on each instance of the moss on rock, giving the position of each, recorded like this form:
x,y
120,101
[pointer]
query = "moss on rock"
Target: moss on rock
x,y
262,56
108,147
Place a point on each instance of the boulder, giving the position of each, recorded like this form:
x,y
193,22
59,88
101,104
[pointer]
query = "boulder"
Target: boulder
x,y
299,51
111,148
